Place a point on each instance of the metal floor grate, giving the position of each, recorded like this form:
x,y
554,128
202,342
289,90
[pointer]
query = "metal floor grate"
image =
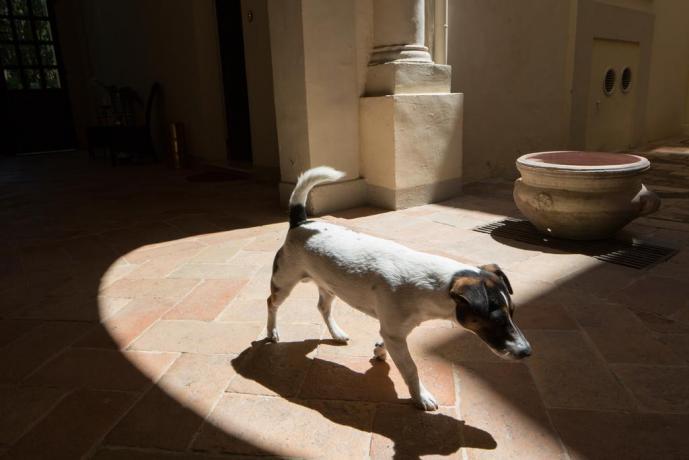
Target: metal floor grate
x,y
634,254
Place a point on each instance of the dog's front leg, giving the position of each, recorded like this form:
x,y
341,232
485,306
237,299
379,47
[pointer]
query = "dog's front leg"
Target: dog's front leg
x,y
399,352
325,301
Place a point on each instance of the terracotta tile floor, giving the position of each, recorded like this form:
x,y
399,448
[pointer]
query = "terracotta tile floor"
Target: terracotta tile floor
x,y
132,301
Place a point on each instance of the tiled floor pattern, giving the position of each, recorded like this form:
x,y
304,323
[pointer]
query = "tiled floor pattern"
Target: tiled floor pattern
x,y
133,301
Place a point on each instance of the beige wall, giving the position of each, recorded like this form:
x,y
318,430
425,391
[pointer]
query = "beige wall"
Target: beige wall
x,y
289,86
525,70
596,22
332,83
137,42
319,53
511,60
669,78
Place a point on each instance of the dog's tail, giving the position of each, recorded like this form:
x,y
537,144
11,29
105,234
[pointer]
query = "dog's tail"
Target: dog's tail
x,y
308,180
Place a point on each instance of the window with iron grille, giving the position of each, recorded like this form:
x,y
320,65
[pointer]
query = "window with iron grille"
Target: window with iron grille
x,y
27,48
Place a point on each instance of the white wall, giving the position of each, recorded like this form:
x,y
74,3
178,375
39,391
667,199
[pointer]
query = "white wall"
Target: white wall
x,y
289,86
511,60
320,51
332,91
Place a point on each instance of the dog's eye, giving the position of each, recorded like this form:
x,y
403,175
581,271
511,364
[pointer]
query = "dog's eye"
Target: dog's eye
x,y
498,317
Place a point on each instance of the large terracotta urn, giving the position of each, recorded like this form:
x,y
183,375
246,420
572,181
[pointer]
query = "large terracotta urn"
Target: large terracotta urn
x,y
582,195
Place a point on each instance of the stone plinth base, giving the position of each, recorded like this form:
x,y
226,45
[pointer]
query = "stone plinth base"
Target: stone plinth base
x,y
408,78
411,148
413,196
329,197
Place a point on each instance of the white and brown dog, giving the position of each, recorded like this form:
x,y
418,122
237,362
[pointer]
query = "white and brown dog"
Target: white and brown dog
x,y
398,286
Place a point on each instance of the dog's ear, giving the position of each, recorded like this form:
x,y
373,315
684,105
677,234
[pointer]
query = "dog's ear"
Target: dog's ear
x,y
493,268
471,291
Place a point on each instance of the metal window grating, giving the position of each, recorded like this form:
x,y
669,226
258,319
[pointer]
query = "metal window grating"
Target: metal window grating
x,y
633,254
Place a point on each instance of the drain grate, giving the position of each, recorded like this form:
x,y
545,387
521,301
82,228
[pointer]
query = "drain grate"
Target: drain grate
x,y
634,254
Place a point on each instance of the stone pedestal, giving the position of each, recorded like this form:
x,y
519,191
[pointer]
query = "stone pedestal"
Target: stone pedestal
x,y
407,78
410,122
411,148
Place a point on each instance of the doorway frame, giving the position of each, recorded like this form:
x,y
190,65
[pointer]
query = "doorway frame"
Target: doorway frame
x,y
234,82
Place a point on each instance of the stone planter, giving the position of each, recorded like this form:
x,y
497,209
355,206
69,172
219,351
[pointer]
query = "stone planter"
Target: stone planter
x,y
582,195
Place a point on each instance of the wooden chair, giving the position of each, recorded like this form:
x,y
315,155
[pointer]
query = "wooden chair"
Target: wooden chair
x,y
135,140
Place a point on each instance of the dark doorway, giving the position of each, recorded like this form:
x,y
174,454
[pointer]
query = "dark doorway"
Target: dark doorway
x,y
34,104
234,80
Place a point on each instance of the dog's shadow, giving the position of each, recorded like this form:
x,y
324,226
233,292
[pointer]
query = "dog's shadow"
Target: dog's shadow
x,y
288,369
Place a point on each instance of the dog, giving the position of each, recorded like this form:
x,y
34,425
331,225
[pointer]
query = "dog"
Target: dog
x,y
388,281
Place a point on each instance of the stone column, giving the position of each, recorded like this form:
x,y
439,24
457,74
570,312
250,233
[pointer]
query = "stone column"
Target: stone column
x,y
400,62
398,32
410,122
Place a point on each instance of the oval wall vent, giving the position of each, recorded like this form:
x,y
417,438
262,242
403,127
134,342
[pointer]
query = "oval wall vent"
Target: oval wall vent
x,y
626,79
609,82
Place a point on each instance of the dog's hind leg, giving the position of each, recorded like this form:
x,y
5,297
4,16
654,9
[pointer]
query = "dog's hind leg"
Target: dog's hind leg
x,y
281,284
325,302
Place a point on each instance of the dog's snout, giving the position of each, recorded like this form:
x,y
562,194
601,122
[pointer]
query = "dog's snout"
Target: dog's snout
x,y
524,352
521,348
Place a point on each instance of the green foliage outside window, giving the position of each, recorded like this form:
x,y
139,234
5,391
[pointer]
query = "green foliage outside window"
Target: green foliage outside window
x,y
27,52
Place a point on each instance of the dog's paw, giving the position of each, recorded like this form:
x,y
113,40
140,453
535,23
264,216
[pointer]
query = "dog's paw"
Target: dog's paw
x,y
379,351
338,334
340,337
273,335
426,401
